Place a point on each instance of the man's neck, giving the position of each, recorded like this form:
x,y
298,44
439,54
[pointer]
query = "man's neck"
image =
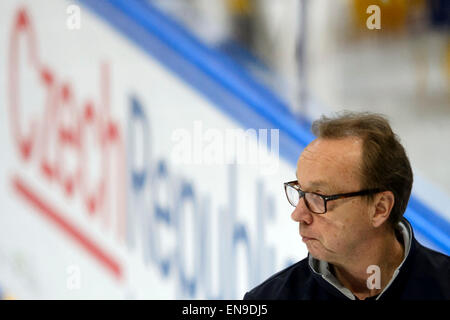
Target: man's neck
x,y
384,252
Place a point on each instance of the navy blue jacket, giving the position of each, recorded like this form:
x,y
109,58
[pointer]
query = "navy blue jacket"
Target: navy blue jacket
x,y
424,275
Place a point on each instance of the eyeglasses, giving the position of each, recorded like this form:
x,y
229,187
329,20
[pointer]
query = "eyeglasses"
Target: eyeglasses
x,y
315,202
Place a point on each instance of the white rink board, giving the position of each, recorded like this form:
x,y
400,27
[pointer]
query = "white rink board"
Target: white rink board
x,y
58,243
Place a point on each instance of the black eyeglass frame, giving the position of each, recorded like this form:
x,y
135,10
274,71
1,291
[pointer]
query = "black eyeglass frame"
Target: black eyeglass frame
x,y
302,193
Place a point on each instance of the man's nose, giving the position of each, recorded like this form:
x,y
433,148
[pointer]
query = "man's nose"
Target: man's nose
x,y
301,213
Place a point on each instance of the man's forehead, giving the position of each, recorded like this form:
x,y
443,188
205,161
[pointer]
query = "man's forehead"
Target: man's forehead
x,y
346,149
346,144
318,183
324,160
314,183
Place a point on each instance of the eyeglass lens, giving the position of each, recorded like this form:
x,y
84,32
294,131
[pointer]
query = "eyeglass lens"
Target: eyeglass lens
x,y
314,202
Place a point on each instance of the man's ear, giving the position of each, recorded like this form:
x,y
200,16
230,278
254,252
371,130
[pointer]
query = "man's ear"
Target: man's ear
x,y
383,204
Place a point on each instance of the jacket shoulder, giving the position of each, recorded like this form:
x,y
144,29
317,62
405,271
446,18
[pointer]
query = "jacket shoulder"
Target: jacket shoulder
x,y
284,284
429,275
432,261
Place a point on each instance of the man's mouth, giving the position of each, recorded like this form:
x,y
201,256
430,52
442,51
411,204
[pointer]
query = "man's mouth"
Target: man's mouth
x,y
305,239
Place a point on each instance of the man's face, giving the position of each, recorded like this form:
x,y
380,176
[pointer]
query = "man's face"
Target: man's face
x,y
327,167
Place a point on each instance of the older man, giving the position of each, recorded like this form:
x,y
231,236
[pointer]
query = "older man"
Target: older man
x,y
352,188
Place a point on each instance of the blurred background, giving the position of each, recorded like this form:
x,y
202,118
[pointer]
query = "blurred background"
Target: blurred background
x,y
119,177
320,56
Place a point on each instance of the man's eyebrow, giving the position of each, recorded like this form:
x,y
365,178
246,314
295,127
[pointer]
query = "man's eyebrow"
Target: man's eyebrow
x,y
318,183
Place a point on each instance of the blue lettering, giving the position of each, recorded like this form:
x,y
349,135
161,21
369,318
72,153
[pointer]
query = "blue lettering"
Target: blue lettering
x,y
188,284
156,199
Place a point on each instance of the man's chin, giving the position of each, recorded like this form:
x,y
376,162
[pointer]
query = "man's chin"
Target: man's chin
x,y
316,253
316,256
320,255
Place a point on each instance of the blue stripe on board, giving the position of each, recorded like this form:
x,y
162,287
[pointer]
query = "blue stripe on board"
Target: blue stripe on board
x,y
232,90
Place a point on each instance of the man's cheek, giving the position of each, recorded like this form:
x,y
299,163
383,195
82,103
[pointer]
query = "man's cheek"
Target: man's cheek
x,y
335,225
334,236
332,242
